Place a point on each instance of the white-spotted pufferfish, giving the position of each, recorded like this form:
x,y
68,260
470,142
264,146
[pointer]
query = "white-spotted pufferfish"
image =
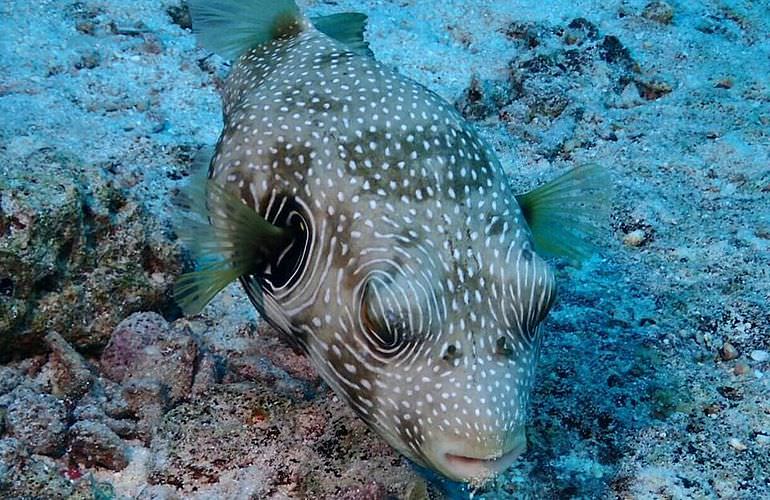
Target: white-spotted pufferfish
x,y
370,223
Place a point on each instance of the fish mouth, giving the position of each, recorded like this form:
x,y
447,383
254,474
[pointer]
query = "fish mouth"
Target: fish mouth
x,y
465,465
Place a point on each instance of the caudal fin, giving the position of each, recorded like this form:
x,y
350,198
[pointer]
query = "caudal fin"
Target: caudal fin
x,y
568,214
231,27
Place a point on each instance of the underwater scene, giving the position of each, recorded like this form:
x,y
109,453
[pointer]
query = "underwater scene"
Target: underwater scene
x,y
384,249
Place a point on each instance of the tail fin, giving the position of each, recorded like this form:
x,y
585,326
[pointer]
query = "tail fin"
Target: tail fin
x,y
567,214
231,27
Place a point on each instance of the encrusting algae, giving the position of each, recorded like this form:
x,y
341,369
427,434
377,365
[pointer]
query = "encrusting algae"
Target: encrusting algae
x,y
369,222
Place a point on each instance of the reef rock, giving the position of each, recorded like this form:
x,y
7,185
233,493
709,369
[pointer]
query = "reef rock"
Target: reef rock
x,y
37,420
77,255
94,443
245,435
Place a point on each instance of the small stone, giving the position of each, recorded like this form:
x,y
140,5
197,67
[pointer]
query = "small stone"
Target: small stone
x,y
659,11
180,15
417,490
759,356
37,420
762,439
71,376
89,61
26,475
628,98
9,379
369,491
737,444
653,89
728,352
635,238
94,443
209,373
712,409
148,401
145,347
741,369
86,27
724,83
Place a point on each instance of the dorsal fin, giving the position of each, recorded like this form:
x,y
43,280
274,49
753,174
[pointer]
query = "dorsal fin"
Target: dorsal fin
x,y
347,28
231,27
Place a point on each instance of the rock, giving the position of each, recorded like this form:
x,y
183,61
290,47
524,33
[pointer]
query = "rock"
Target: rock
x,y
10,378
728,352
614,52
23,475
122,427
483,98
759,356
659,11
71,376
37,420
77,255
651,90
111,400
209,372
741,369
370,491
180,15
305,449
148,401
94,443
160,492
635,238
145,346
579,31
737,444
628,98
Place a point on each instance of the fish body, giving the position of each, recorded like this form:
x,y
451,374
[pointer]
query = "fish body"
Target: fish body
x,y
401,261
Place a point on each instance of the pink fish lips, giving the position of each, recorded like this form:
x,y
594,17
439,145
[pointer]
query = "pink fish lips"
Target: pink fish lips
x,y
471,466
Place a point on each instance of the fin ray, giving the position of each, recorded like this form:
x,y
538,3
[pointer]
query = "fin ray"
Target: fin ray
x,y
230,27
566,215
228,239
345,27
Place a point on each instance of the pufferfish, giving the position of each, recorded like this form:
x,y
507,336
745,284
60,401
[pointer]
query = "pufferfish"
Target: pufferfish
x,y
371,224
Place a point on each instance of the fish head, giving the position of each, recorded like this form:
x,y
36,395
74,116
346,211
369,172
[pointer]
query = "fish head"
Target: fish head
x,y
440,352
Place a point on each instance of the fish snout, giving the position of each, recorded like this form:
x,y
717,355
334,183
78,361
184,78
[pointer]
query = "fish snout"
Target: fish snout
x,y
474,460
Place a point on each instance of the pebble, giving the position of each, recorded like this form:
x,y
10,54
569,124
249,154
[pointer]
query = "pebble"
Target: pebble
x,y
635,238
145,346
71,377
9,379
763,439
741,369
94,443
728,351
659,11
737,444
759,356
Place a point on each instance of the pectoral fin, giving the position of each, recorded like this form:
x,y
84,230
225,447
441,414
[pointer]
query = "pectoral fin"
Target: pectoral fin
x,y
567,215
229,240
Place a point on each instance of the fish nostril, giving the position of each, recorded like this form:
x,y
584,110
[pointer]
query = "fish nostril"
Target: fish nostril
x,y
452,353
503,348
